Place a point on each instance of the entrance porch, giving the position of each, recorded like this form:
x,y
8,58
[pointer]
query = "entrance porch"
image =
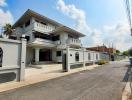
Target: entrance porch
x,y
42,55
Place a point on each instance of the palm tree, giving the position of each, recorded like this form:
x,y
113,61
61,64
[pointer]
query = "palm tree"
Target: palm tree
x,y
8,30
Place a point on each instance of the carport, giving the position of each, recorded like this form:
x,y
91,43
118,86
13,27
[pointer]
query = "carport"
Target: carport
x,y
35,70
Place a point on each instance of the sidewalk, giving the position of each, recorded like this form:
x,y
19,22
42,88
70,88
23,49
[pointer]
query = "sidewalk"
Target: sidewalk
x,y
39,77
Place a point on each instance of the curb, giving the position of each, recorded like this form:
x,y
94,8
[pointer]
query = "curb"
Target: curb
x,y
128,88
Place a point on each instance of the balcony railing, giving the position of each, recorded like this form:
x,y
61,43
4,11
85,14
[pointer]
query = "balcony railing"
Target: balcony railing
x,y
72,41
42,28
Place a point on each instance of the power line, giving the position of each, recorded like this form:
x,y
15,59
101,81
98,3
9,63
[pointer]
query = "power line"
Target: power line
x,y
128,11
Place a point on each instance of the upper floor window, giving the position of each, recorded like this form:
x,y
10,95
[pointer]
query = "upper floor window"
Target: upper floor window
x,y
56,38
43,23
43,36
27,23
58,53
1,56
89,56
77,56
21,26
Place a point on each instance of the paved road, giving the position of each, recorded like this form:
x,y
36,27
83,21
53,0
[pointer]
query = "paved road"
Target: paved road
x,y
103,83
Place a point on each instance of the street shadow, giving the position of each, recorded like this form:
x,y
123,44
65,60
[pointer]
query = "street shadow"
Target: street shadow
x,y
128,75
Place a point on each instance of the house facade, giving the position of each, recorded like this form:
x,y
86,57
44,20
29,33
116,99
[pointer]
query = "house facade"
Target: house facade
x,y
46,38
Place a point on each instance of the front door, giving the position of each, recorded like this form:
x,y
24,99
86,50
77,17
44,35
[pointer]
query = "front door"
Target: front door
x,y
45,55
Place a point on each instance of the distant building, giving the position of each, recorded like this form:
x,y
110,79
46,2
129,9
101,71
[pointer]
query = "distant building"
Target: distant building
x,y
104,49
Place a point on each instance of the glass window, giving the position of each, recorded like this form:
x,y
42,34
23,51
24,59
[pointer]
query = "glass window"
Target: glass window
x,y
77,56
58,53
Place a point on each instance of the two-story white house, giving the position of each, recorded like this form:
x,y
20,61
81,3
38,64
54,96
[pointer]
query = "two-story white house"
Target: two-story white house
x,y
46,38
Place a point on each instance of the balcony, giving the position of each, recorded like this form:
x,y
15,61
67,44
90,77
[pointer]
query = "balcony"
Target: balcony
x,y
42,43
42,28
74,42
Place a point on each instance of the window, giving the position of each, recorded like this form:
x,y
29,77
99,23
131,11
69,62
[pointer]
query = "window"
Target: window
x,y
56,38
1,56
77,56
89,56
96,56
43,23
58,53
27,23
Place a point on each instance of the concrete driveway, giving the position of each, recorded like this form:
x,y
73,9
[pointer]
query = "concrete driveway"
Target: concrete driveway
x,y
102,83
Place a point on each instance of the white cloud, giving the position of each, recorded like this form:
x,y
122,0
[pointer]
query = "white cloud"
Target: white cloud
x,y
3,3
81,25
74,13
5,17
118,34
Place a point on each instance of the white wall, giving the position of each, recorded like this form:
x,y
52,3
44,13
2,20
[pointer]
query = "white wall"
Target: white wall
x,y
83,57
11,53
56,58
72,53
63,37
13,60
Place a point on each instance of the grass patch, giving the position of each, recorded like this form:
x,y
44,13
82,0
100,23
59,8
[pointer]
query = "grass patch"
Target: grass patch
x,y
129,96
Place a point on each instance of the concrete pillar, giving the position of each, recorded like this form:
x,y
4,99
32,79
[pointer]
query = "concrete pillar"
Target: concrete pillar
x,y
23,59
84,57
37,55
67,59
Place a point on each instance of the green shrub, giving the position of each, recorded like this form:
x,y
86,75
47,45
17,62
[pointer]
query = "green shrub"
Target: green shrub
x,y
101,62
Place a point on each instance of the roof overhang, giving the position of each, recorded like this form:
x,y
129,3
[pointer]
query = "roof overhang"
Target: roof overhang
x,y
29,13
61,28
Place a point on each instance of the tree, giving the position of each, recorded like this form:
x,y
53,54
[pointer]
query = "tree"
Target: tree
x,y
8,30
126,53
130,52
118,52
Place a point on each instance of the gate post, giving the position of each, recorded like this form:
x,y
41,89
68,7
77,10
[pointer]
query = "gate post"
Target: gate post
x,y
67,59
23,59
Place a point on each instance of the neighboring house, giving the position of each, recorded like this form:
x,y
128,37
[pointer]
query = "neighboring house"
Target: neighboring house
x,y
46,38
106,53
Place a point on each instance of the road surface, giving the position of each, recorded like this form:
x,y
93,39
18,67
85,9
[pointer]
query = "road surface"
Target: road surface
x,y
103,83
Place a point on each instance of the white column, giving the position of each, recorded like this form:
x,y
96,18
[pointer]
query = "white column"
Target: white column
x,y
37,55
23,60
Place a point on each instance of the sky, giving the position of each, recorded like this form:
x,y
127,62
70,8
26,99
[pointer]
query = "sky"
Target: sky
x,y
102,21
